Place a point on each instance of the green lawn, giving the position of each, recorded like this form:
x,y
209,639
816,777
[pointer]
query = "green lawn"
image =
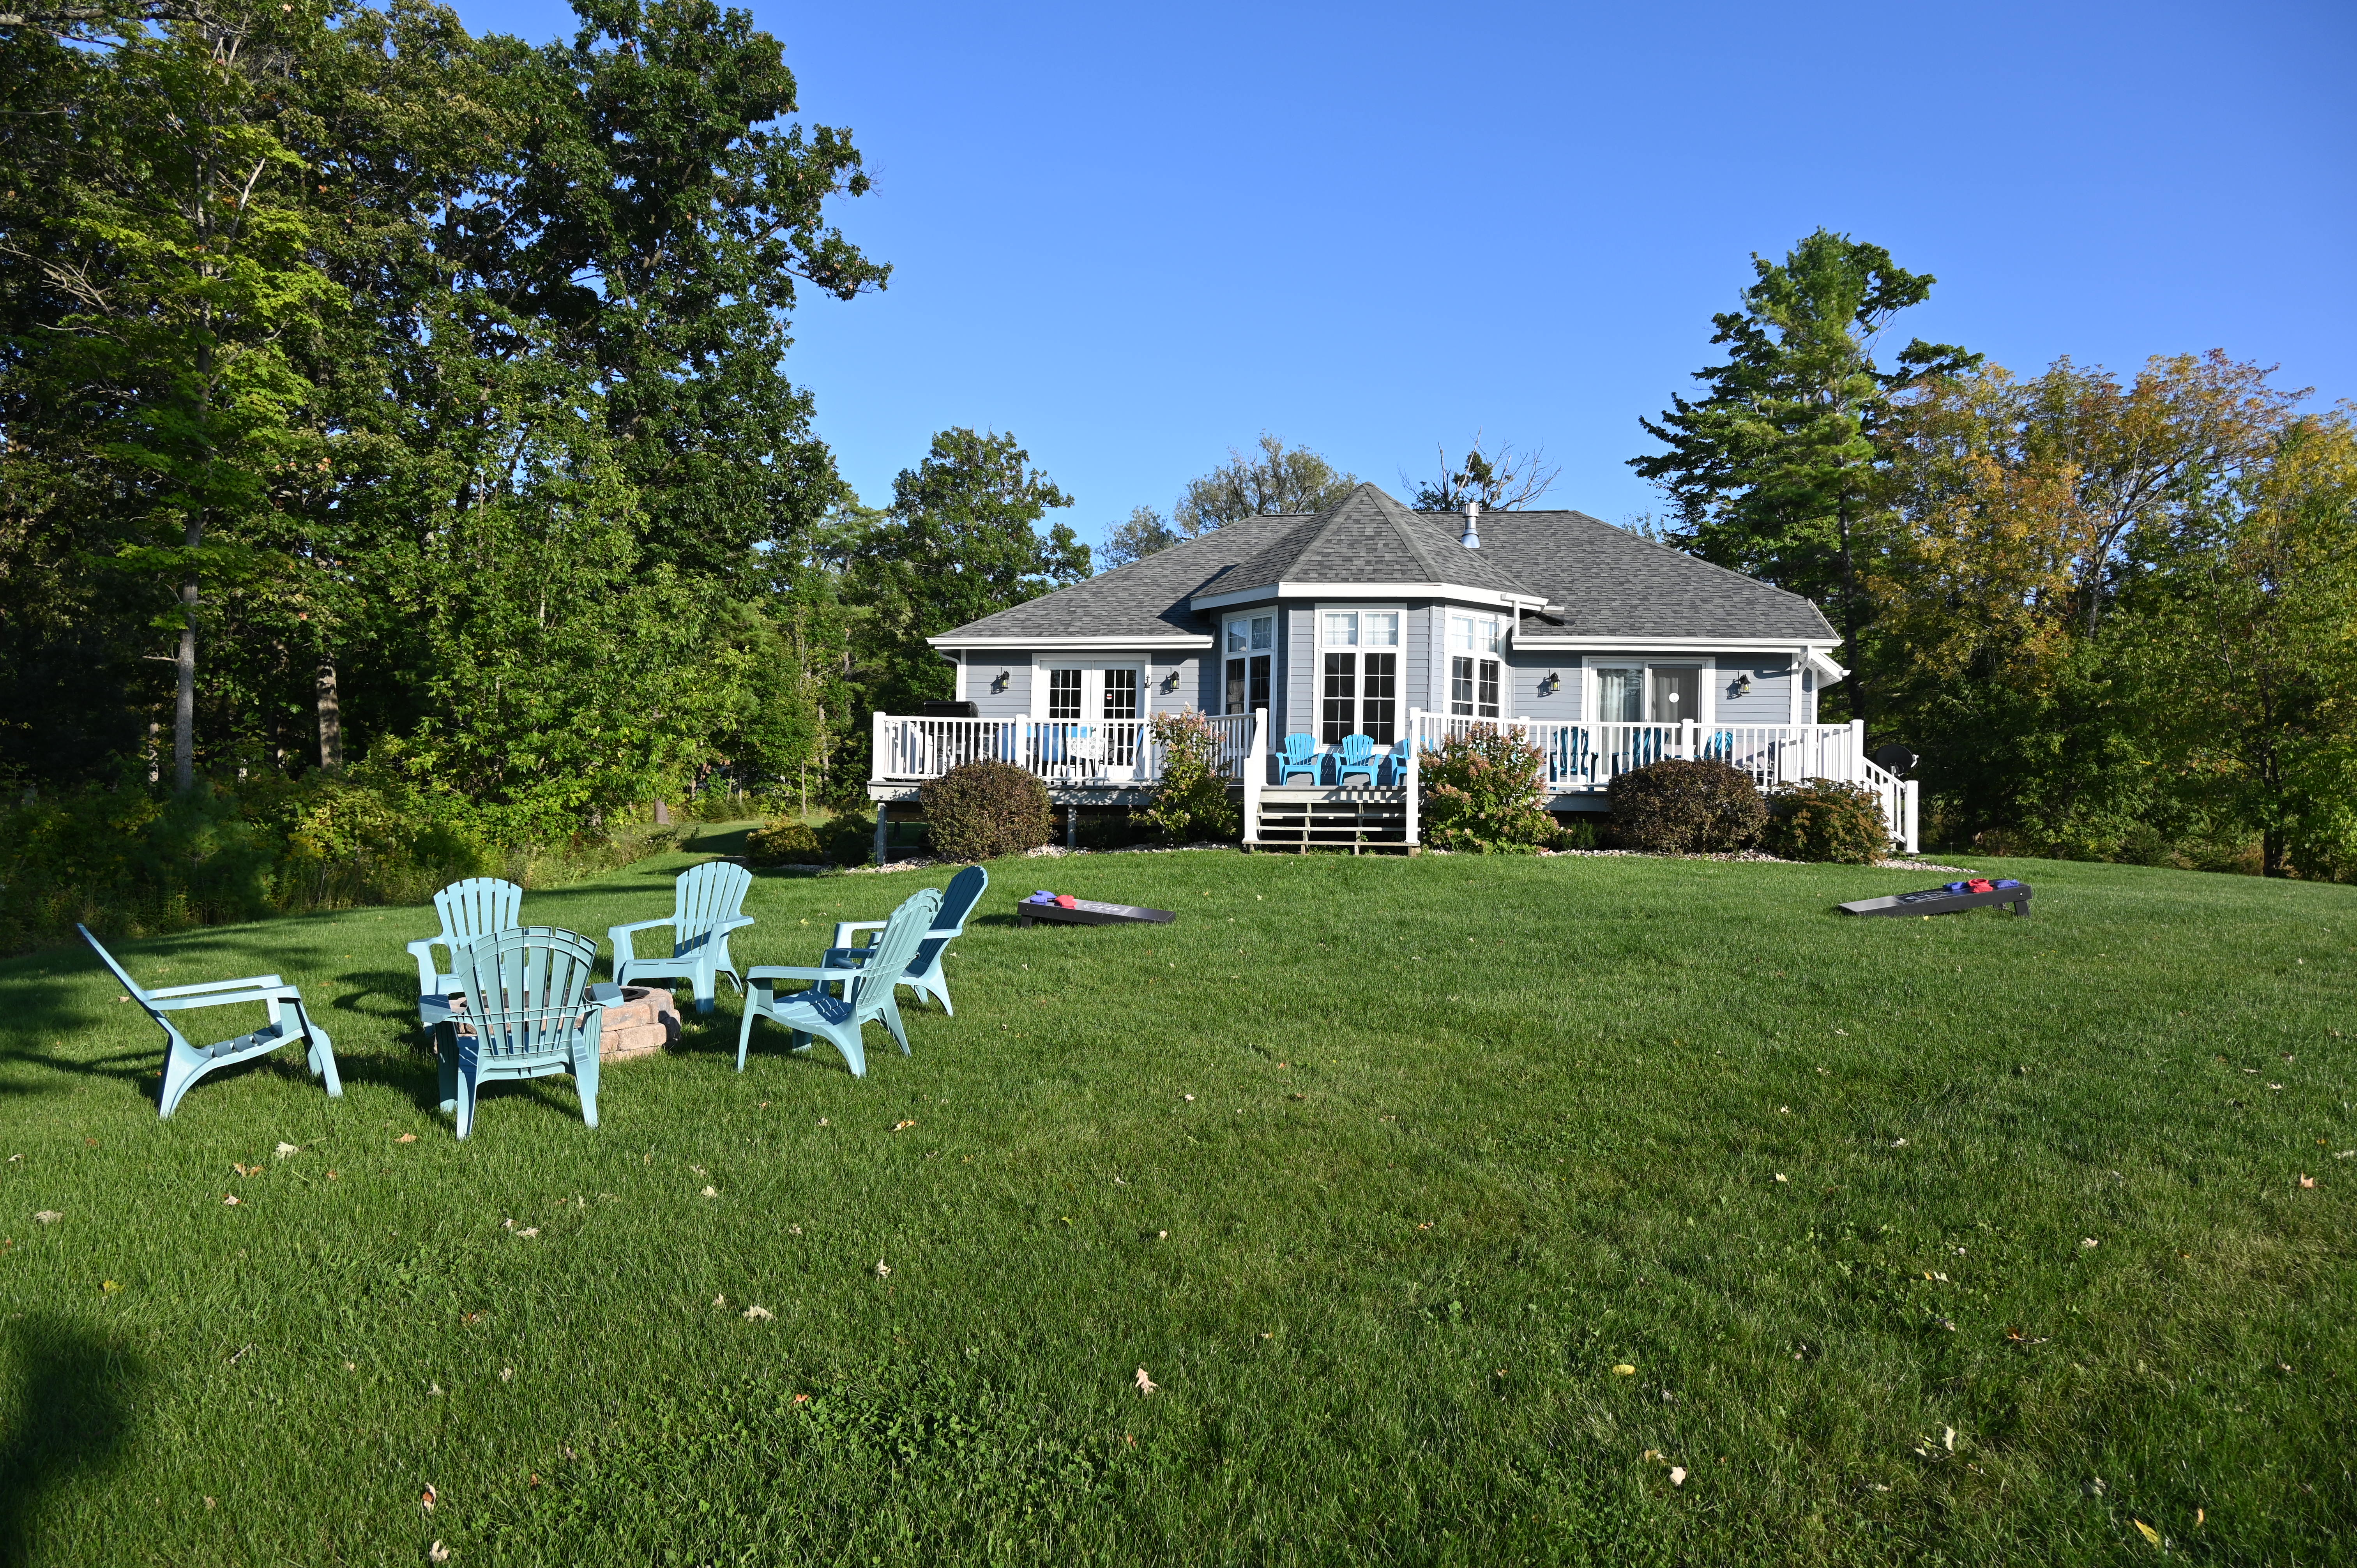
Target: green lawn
x,y
1382,1170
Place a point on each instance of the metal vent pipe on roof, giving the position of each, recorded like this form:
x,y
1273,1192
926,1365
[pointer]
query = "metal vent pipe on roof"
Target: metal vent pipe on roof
x,y
1471,538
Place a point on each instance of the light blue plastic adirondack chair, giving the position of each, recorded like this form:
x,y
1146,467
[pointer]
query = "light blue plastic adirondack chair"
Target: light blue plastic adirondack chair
x,y
530,1011
1300,756
185,1063
475,908
1396,764
1357,755
709,903
924,975
868,991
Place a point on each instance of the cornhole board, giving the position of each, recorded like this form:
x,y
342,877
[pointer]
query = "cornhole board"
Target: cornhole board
x,y
1940,901
1089,912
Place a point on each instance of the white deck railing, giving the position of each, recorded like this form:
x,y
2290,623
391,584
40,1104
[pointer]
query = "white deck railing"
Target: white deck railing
x,y
1579,759
1109,752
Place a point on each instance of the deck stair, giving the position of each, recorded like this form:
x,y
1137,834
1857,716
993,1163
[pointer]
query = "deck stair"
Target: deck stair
x,y
1353,818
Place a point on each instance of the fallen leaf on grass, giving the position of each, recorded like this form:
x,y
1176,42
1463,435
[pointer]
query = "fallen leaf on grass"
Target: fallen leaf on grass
x,y
903,1126
709,1192
759,1315
1146,1385
720,1301
428,1499
286,1149
245,1170
233,1200
2145,1530
438,1552
1677,1476
48,1217
2306,1180
507,1374
406,1138
1625,1369
108,1287
529,1232
2089,1241
883,1270
1898,1143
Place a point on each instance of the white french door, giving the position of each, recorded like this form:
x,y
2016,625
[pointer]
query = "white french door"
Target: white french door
x,y
1094,718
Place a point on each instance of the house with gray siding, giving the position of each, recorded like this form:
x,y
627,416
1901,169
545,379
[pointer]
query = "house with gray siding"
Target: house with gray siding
x,y
1329,653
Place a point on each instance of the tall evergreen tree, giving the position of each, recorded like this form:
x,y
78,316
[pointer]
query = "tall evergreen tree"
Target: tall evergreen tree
x,y
1776,470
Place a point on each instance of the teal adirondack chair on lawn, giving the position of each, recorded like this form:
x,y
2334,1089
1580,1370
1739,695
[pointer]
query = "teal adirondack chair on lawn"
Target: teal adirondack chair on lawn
x,y
1300,755
868,991
475,908
529,1013
709,903
1357,755
185,1063
923,975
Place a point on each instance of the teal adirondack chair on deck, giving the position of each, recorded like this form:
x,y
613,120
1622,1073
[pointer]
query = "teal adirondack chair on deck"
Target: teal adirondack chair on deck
x,y
709,903
923,975
1300,756
1357,755
185,1063
868,991
475,908
529,1013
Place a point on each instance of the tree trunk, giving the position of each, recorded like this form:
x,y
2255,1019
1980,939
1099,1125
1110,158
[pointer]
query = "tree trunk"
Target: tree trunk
x,y
331,718
184,701
2271,854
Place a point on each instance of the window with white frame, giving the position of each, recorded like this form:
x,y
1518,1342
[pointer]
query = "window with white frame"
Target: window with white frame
x,y
1475,643
1250,650
1358,653
1648,694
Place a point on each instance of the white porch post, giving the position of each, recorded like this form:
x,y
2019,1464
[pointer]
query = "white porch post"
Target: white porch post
x,y
1686,739
1908,787
1857,751
1414,755
876,745
1256,775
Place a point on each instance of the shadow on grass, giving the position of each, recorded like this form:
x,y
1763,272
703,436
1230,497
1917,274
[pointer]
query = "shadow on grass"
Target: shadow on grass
x,y
69,1412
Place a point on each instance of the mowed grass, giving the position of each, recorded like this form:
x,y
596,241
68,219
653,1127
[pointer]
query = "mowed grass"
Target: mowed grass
x,y
1970,1240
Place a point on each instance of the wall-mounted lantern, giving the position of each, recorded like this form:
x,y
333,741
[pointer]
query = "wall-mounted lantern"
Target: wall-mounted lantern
x,y
1004,678
1551,684
1742,686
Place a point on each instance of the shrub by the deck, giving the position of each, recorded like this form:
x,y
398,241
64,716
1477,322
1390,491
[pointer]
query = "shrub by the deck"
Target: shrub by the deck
x,y
785,843
1191,801
1482,793
1675,807
1822,819
980,810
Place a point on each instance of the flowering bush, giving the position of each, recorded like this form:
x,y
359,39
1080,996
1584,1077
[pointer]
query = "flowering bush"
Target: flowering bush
x,y
1482,792
1191,801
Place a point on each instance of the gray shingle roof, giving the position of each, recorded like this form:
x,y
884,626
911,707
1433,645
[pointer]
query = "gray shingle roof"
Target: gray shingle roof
x,y
1597,580
1603,581
1146,598
1367,538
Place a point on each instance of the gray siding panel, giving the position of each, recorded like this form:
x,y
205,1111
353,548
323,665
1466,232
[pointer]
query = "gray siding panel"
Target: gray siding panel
x,y
981,673
1298,634
1416,660
1174,684
1770,700
1527,669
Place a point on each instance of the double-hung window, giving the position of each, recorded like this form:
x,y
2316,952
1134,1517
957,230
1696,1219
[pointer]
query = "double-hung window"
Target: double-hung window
x,y
1658,694
1252,645
1359,675
1475,643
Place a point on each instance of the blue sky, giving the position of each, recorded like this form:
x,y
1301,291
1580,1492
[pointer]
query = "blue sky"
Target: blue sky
x,y
1137,236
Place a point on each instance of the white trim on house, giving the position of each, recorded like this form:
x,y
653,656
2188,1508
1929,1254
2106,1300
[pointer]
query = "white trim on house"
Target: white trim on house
x,y
947,644
1674,645
1459,592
